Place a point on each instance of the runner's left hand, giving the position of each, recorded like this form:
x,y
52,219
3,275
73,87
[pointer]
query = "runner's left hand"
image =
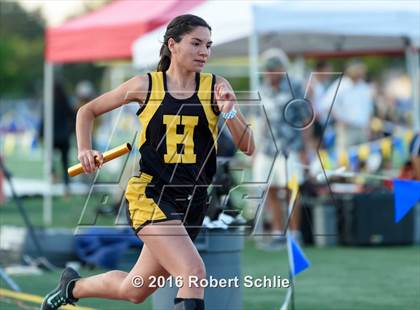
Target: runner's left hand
x,y
225,97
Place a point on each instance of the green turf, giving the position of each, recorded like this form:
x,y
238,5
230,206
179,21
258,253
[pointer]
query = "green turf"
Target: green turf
x,y
66,211
340,278
30,165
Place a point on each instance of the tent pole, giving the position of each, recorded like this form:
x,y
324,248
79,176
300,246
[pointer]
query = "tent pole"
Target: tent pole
x,y
413,70
48,141
300,68
253,56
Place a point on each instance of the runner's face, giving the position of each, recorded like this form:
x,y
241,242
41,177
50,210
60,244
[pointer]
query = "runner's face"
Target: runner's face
x,y
193,51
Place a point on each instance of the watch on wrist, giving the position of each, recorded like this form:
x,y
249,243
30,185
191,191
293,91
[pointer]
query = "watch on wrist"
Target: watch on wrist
x,y
229,115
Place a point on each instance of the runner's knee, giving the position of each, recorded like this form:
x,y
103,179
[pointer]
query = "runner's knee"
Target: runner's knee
x,y
197,270
131,293
135,295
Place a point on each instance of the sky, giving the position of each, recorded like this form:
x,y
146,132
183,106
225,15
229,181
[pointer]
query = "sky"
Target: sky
x,y
55,11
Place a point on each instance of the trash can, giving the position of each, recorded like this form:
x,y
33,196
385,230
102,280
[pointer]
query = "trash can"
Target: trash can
x,y
325,224
221,252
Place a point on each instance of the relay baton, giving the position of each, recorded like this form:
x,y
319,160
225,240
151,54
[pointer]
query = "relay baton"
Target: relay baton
x,y
108,155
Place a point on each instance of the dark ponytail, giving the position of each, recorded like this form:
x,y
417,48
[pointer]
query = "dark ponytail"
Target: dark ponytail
x,y
179,26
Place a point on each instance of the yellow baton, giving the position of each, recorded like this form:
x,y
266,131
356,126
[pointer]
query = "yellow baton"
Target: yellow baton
x,y
108,155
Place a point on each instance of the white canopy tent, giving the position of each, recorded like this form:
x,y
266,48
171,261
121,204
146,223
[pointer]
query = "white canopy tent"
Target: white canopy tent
x,y
230,22
299,27
331,26
304,27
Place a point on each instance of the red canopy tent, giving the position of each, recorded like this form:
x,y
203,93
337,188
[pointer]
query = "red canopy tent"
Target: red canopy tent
x,y
106,34
109,32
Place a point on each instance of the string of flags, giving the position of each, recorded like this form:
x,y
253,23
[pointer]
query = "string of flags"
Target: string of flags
x,y
406,192
351,157
379,125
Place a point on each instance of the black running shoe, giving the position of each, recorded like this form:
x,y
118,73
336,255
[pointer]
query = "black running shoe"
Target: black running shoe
x,y
61,295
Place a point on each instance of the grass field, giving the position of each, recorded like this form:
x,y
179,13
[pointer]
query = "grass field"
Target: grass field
x,y
341,278
377,278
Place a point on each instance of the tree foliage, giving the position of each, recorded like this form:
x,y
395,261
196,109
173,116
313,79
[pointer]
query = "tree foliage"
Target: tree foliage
x,y
21,51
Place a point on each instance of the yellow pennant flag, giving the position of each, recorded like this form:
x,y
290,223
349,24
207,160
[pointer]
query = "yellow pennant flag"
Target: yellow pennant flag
x,y
376,125
408,136
323,155
9,144
363,152
343,158
386,148
293,186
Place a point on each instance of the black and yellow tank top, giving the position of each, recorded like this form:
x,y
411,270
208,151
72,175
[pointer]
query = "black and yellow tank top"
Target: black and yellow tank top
x,y
178,138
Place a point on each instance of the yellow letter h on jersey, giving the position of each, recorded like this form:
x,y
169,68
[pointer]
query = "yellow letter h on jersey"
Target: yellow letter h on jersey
x,y
186,138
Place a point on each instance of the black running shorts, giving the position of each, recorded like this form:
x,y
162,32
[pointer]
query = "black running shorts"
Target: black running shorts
x,y
146,205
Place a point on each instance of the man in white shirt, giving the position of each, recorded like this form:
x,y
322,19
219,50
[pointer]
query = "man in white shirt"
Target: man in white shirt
x,y
320,81
352,107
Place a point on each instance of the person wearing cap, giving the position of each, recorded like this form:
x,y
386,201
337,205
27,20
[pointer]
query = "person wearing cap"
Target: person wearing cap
x,y
278,161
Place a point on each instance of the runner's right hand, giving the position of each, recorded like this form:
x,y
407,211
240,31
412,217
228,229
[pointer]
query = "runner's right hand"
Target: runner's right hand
x,y
87,159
